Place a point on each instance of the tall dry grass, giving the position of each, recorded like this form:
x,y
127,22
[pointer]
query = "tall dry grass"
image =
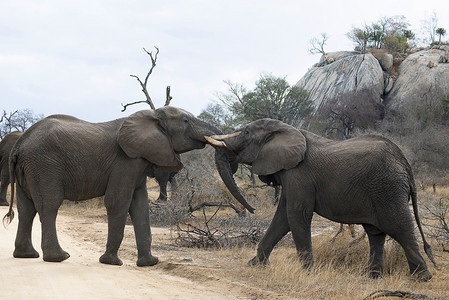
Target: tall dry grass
x,y
338,272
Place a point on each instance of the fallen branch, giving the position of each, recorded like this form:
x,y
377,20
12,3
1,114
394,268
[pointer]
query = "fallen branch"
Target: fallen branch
x,y
194,237
400,294
238,210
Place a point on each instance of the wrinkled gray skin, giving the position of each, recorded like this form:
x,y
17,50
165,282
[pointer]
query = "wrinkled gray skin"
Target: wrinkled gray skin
x,y
62,157
163,178
5,148
364,180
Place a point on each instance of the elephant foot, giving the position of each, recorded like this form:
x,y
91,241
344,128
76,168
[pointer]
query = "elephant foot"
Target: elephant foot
x,y
29,252
56,257
4,202
375,274
258,262
162,199
147,261
423,275
111,259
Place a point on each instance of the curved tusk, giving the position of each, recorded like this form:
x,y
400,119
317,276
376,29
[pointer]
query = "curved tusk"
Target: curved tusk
x,y
214,142
225,136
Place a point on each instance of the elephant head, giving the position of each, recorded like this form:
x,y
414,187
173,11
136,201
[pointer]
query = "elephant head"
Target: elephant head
x,y
267,145
175,131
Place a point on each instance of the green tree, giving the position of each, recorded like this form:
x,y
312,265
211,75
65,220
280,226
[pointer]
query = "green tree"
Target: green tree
x,y
389,33
218,116
272,97
360,37
441,32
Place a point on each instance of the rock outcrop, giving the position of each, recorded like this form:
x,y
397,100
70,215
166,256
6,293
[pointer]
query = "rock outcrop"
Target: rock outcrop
x,y
349,73
422,75
343,73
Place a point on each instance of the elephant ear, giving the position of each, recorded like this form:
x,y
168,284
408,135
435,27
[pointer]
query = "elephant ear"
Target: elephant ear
x,y
284,149
141,136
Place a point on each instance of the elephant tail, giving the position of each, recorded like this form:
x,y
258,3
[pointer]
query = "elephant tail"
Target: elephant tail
x,y
427,247
7,219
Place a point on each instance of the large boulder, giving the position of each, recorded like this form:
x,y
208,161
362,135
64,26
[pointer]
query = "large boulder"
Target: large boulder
x,y
422,76
342,74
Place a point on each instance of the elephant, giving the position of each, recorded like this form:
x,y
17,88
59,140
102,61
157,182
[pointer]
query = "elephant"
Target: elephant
x,y
5,148
364,180
163,178
63,157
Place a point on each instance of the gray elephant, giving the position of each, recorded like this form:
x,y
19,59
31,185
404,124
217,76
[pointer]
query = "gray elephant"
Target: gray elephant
x,y
364,180
163,178
5,148
62,157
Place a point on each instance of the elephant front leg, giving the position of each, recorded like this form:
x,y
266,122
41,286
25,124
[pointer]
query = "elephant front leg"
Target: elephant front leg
x,y
117,213
300,226
278,229
139,212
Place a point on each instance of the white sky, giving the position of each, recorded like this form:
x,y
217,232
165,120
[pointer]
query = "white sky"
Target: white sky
x,y
75,57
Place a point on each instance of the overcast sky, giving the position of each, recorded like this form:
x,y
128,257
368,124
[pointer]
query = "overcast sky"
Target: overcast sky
x,y
75,57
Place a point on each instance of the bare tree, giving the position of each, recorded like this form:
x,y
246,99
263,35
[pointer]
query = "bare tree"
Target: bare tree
x,y
317,45
349,112
19,120
144,83
429,27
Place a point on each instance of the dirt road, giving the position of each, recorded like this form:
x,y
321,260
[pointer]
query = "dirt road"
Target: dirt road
x,y
83,277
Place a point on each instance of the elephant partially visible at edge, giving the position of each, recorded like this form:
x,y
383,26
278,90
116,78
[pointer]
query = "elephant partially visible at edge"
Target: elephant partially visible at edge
x,y
365,180
62,157
5,148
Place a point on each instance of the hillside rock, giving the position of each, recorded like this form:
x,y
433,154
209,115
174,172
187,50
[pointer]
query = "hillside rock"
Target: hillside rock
x,y
422,75
343,73
386,62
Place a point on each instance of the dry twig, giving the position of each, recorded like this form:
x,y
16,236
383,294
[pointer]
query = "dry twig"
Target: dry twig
x,y
194,237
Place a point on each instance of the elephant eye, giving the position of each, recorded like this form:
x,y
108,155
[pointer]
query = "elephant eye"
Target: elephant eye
x,y
186,121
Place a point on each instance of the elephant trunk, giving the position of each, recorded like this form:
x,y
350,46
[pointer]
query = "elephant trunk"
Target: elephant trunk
x,y
226,166
224,169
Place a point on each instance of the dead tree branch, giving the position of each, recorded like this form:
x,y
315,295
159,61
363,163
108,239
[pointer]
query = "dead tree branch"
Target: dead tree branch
x,y
219,204
145,82
399,294
168,97
437,222
194,237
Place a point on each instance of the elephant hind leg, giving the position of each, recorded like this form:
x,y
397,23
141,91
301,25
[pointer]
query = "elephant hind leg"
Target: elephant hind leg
x,y
26,210
376,250
416,262
52,251
47,201
3,190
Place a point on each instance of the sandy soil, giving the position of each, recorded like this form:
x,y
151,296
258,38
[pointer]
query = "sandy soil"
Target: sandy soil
x,y
83,277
